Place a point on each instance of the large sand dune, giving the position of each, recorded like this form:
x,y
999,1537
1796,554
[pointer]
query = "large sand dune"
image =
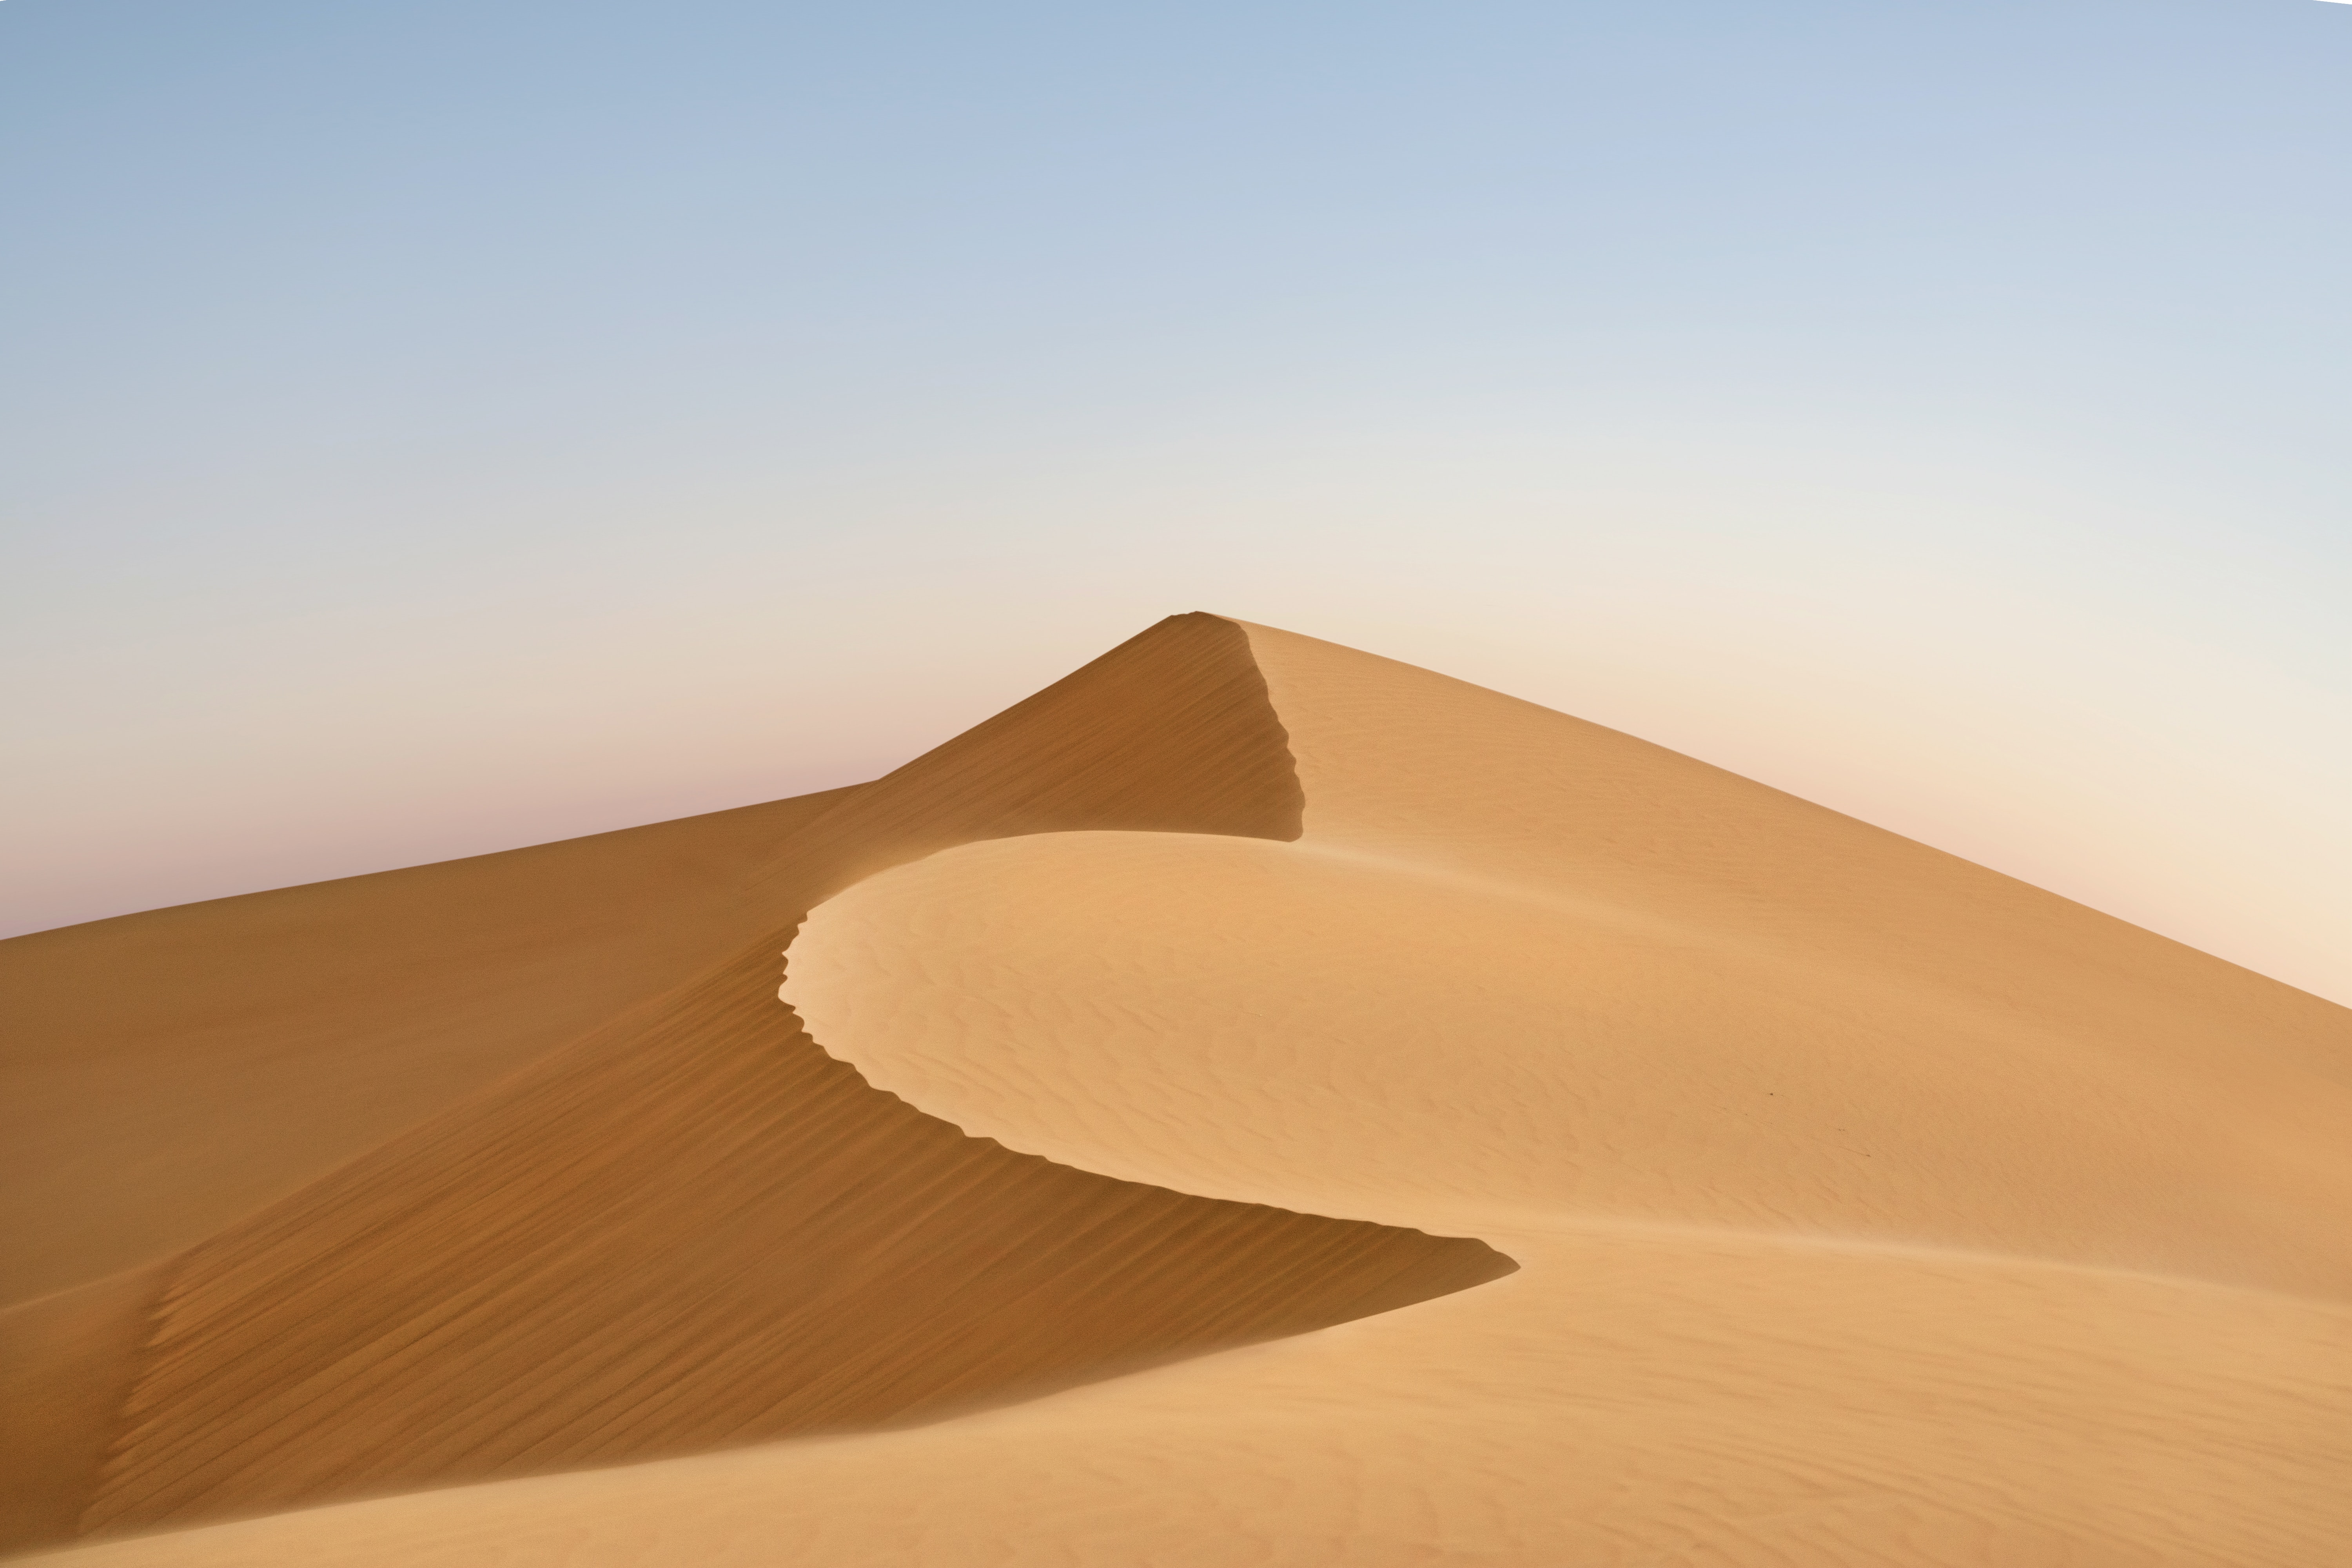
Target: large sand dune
x,y
1258,1103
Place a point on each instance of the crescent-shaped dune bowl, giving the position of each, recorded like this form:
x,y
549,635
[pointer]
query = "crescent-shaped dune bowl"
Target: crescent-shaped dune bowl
x,y
1252,1103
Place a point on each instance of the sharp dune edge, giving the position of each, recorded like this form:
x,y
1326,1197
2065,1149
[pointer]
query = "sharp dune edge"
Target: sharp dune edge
x,y
1241,994
690,1227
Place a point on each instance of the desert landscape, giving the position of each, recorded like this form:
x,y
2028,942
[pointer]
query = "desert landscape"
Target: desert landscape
x,y
1252,1103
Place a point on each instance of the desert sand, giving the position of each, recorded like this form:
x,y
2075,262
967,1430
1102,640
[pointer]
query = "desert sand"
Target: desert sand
x,y
1252,1103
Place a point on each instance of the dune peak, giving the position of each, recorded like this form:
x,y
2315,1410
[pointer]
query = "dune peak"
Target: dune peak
x,y
1250,1100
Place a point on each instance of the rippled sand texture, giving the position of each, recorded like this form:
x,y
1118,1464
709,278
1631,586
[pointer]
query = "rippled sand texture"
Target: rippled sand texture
x,y
1869,1208
685,1229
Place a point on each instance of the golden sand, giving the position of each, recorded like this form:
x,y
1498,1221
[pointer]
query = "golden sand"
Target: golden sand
x,y
1258,1103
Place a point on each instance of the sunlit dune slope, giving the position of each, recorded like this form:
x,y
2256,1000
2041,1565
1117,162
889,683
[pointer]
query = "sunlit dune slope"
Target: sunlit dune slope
x,y
1277,1023
1870,1208
1940,1219
1558,970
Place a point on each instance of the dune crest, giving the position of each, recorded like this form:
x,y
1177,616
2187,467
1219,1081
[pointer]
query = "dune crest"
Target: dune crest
x,y
173,1071
1868,1207
690,1228
1631,1018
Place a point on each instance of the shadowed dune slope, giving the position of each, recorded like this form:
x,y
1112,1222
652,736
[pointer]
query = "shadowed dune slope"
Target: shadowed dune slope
x,y
165,1073
1627,1400
170,1071
689,1232
1169,731
66,1365
691,1228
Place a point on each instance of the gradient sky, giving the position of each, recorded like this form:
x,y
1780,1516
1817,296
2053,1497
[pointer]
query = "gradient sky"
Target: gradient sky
x,y
437,427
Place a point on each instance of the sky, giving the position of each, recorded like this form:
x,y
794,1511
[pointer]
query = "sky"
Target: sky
x,y
432,429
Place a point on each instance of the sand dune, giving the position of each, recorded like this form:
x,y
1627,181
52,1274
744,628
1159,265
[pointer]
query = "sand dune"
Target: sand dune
x,y
171,1071
684,1233
1700,1398
690,1228
1602,1159
1276,1023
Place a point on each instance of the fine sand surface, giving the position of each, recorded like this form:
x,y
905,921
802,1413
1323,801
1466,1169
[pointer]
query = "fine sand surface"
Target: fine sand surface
x,y
1494,1139
168,1072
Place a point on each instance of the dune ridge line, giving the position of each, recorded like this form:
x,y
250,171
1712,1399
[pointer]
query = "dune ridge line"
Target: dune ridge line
x,y
1867,1206
692,1229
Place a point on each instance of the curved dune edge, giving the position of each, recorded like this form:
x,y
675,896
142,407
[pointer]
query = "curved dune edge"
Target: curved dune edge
x,y
699,1234
653,1241
169,1073
1591,1001
1956,1349
1624,1398
1320,1029
1644,1389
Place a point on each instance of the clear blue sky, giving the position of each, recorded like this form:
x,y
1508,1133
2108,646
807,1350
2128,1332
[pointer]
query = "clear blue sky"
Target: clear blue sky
x,y
433,427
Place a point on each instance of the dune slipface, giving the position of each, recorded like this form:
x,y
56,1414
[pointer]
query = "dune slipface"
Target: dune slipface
x,y
1826,1199
171,1071
692,1233
690,1228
